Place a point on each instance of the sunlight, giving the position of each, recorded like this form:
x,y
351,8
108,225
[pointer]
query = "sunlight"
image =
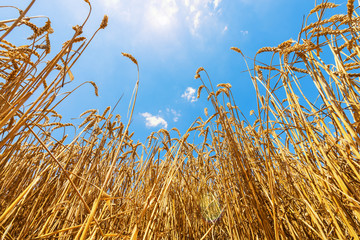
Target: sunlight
x,y
161,21
161,15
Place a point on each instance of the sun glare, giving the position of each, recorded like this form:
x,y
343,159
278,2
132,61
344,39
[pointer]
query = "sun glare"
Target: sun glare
x,y
157,22
161,15
158,19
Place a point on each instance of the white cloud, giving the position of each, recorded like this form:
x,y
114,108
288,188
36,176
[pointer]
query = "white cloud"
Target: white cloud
x,y
244,33
196,21
153,121
175,114
216,3
189,94
225,29
165,17
200,13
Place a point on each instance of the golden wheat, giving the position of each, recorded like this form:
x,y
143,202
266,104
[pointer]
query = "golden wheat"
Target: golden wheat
x,y
289,171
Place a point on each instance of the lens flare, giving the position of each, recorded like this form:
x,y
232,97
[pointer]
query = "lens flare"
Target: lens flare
x,y
210,207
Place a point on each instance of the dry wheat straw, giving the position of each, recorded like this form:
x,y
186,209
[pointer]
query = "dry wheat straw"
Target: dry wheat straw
x,y
197,75
130,57
290,171
236,50
104,22
199,91
350,8
322,6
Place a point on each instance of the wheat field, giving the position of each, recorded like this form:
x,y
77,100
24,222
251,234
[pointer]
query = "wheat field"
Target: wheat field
x,y
293,173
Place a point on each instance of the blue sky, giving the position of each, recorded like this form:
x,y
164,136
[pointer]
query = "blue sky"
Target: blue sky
x,y
170,39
